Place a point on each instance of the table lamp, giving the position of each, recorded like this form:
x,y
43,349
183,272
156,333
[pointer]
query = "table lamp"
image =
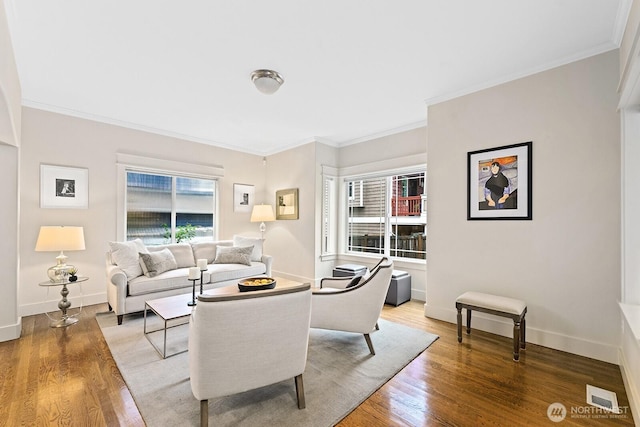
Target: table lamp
x,y
53,238
262,214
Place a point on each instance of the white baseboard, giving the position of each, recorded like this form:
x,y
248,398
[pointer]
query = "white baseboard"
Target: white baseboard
x,y
11,332
52,305
630,386
504,327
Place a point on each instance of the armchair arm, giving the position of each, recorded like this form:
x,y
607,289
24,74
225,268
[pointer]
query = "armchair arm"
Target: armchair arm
x,y
336,282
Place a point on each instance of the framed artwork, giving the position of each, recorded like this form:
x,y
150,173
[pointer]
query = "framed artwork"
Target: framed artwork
x,y
287,204
243,197
499,183
64,187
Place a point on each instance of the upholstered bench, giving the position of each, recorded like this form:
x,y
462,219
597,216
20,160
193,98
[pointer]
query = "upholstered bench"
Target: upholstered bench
x,y
498,306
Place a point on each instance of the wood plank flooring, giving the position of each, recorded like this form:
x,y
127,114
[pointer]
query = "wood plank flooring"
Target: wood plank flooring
x,y
67,377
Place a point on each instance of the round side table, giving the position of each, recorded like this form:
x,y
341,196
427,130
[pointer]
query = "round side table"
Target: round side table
x,y
64,303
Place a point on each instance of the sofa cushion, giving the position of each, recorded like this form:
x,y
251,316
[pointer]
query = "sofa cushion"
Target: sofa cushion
x,y
182,252
157,262
234,255
175,279
256,242
204,250
125,256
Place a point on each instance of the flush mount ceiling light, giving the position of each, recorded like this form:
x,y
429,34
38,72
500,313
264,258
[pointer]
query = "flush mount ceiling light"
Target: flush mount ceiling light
x,y
267,81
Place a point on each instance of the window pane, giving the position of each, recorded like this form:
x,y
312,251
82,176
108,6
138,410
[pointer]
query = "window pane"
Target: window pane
x,y
366,222
408,218
148,207
151,208
195,208
387,215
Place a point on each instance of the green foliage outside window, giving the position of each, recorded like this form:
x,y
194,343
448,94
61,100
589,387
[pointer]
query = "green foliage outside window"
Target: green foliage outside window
x,y
183,232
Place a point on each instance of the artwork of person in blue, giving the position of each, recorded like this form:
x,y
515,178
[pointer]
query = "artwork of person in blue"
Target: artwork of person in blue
x,y
497,188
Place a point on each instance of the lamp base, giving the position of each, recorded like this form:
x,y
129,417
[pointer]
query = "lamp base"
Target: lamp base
x,y
64,322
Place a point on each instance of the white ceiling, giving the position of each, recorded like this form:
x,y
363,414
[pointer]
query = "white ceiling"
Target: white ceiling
x,y
353,69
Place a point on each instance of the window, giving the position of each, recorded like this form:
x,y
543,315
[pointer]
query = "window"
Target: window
x,y
386,215
168,208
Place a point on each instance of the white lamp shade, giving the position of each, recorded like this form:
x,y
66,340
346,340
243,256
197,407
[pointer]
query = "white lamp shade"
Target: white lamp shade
x,y
262,213
53,238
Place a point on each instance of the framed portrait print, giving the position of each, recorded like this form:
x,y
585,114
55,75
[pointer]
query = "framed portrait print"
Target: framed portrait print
x,y
243,197
287,204
64,187
499,183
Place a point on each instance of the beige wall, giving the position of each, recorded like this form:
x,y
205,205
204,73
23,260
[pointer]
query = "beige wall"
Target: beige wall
x,y
10,90
293,240
565,263
56,139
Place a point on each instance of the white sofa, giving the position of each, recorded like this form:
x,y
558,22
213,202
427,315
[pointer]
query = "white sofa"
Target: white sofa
x,y
129,286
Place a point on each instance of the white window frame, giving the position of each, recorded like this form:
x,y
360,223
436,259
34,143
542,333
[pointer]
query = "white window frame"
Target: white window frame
x,y
391,166
133,163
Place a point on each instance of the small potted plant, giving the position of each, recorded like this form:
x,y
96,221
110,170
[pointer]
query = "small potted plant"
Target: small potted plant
x,y
72,274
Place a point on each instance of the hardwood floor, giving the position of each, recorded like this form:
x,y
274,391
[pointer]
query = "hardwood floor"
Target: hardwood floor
x,y
68,377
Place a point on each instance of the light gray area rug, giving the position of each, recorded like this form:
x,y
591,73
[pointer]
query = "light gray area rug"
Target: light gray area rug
x,y
340,374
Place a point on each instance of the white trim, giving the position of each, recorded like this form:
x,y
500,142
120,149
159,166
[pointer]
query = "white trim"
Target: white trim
x,y
630,386
382,134
622,17
496,325
597,50
631,313
150,164
393,166
11,332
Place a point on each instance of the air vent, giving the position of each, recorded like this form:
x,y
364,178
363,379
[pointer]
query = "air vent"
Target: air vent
x,y
602,398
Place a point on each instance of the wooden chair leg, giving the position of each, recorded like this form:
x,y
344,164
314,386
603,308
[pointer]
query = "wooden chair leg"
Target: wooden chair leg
x,y
120,316
459,324
370,344
204,413
377,327
300,392
516,340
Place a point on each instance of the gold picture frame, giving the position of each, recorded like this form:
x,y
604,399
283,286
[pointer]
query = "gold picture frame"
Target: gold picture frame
x,y
287,204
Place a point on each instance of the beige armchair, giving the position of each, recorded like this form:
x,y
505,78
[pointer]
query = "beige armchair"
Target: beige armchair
x,y
354,308
248,340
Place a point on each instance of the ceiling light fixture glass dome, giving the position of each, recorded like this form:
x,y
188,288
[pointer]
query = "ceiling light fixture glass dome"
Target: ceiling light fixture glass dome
x,y
267,81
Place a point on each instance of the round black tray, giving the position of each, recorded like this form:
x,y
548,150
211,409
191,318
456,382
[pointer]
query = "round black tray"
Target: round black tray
x,y
249,288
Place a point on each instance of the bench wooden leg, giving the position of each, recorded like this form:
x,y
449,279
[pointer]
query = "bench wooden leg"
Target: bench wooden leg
x,y
523,329
516,340
459,324
468,320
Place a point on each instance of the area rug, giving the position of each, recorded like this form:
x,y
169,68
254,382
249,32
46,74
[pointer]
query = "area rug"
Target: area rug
x,y
340,374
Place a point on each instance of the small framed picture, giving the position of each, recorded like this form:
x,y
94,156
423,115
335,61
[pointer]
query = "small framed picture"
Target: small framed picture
x,y
243,197
287,204
64,187
499,183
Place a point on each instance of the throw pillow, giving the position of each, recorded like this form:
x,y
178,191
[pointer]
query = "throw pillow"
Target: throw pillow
x,y
256,255
354,281
125,256
155,263
204,250
233,255
182,252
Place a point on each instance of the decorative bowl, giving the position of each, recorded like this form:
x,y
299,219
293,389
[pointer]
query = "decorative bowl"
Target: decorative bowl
x,y
256,284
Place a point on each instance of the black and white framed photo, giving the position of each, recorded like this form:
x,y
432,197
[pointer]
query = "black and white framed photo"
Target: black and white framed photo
x,y
243,197
64,187
499,183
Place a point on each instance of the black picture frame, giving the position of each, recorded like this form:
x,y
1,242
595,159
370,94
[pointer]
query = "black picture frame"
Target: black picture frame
x,y
513,164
